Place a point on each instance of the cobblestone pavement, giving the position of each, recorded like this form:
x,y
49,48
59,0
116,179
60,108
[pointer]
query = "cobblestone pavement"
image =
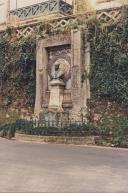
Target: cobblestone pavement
x,y
31,167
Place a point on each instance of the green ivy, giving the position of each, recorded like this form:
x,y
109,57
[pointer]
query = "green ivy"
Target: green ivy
x,y
17,67
109,55
26,68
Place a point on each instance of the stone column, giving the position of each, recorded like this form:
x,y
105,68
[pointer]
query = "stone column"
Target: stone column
x,y
80,67
74,6
77,50
45,77
85,81
87,70
41,77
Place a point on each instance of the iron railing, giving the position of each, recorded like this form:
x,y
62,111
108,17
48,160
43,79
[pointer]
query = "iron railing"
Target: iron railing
x,y
40,8
55,128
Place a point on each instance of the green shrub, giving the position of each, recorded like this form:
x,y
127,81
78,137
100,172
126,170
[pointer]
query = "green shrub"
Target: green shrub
x,y
7,130
116,128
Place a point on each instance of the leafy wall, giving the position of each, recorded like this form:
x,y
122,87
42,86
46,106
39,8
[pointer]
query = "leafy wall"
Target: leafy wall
x,y
108,74
109,69
17,70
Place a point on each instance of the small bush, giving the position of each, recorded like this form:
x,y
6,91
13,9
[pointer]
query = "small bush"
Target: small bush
x,y
116,128
7,130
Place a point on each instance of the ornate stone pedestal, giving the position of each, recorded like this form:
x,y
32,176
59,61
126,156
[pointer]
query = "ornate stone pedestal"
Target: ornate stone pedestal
x,y
56,94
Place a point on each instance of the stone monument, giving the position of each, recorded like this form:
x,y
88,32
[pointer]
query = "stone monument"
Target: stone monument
x,y
62,62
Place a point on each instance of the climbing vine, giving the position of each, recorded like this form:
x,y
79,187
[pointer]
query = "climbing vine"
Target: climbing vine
x,y
17,67
109,55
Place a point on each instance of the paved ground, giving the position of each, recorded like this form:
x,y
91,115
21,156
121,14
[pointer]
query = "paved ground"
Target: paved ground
x,y
29,167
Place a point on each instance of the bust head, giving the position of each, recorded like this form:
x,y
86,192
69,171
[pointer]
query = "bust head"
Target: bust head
x,y
60,70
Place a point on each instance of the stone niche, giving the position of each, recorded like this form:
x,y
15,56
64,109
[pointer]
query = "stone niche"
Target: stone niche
x,y
62,85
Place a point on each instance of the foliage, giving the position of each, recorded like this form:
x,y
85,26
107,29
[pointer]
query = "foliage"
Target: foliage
x,y
116,128
26,68
4,44
17,67
7,130
109,54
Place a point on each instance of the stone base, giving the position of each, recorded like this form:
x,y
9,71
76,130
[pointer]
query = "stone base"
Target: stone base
x,y
56,94
89,140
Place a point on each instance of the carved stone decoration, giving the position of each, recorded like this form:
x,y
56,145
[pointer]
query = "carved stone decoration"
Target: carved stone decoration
x,y
24,32
63,58
23,29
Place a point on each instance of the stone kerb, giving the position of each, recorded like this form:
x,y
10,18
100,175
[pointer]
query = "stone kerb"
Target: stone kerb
x,y
89,140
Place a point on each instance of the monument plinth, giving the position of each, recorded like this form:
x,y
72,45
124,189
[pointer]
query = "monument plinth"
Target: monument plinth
x,y
56,94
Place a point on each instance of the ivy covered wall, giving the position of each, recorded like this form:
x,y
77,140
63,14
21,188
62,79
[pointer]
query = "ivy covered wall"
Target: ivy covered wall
x,y
108,73
109,68
17,70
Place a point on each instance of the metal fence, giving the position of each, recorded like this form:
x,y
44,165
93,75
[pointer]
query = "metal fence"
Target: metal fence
x,y
113,128
55,128
117,129
40,8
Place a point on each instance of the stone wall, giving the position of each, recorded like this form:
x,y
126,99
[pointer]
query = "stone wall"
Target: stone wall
x,y
9,113
81,6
